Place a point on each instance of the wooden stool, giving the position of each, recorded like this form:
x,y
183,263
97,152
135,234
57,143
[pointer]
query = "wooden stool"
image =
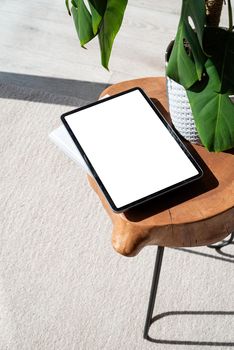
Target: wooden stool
x,y
199,215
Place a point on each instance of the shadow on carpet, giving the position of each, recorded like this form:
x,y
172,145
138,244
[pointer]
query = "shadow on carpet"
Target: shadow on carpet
x,y
80,92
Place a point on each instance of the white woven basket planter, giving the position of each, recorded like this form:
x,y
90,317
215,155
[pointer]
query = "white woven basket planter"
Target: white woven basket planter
x,y
180,111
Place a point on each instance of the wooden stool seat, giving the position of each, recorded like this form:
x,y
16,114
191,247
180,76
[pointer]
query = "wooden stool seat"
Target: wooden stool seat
x,y
198,214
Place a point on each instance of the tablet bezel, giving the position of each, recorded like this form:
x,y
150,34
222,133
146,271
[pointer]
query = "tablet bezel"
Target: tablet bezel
x,y
98,179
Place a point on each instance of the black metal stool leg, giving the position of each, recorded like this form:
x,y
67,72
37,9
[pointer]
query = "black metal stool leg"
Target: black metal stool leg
x,y
153,292
223,243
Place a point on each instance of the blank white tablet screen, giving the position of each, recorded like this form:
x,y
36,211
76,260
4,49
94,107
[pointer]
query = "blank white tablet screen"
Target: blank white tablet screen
x,y
130,148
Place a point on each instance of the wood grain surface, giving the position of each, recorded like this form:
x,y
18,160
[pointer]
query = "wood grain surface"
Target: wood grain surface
x,y
197,214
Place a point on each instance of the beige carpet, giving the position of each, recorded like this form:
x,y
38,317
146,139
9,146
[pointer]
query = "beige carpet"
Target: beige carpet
x,y
61,284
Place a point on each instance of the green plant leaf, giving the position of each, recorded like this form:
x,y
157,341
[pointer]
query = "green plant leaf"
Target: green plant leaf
x,y
219,45
213,113
83,21
96,12
99,5
186,66
109,27
105,19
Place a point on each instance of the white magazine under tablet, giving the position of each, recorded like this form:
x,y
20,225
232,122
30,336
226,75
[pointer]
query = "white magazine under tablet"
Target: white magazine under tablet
x,y
63,140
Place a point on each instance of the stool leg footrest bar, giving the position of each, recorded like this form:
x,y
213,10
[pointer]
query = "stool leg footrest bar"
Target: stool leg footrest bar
x,y
222,244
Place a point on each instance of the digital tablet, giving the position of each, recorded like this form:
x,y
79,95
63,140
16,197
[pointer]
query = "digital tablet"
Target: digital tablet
x,y
130,149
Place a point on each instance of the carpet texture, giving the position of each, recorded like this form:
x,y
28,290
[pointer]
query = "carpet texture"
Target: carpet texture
x,y
62,286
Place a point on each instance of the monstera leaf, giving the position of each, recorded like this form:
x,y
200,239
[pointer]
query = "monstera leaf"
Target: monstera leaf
x,y
218,43
212,108
97,12
110,25
187,59
83,21
102,18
